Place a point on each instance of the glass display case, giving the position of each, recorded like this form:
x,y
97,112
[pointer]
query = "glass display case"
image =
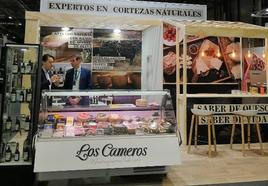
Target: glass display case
x,y
100,113
17,106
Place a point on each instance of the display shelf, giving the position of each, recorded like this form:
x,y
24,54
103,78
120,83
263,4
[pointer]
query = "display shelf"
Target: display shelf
x,y
18,138
20,65
68,63
104,93
222,84
100,108
105,137
16,163
116,70
14,136
122,135
211,84
208,95
23,46
169,83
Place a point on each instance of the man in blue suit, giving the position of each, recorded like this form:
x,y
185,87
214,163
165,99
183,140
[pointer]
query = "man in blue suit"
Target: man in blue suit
x,y
77,78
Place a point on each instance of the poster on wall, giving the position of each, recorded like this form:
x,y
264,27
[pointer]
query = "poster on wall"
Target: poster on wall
x,y
254,73
169,53
116,80
212,59
114,58
64,44
116,62
67,47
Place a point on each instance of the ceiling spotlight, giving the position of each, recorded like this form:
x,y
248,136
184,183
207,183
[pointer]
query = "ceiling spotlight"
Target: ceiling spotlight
x,y
233,54
65,28
117,31
218,54
260,13
249,54
9,17
14,37
20,24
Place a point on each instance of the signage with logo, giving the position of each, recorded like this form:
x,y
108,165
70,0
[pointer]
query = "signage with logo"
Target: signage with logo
x,y
106,152
139,9
223,112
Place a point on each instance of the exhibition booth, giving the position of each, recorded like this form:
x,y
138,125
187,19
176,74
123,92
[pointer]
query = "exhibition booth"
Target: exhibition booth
x,y
127,119
150,64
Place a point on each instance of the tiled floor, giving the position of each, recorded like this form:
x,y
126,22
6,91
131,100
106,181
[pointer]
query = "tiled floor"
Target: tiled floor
x,y
228,167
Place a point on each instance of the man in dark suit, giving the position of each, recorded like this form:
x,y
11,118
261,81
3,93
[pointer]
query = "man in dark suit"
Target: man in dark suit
x,y
47,81
77,78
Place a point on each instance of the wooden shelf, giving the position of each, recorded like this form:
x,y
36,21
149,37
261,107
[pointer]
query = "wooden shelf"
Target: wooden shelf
x,y
16,163
169,83
207,95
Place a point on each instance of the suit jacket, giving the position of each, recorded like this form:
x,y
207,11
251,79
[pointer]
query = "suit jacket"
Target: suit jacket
x,y
85,79
44,82
45,85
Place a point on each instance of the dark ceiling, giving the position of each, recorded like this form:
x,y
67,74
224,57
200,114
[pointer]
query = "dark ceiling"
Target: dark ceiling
x,y
12,13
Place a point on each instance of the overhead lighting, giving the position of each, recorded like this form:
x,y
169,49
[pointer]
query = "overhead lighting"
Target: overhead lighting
x,y
20,24
218,53
249,54
65,28
9,17
117,31
260,13
233,54
14,37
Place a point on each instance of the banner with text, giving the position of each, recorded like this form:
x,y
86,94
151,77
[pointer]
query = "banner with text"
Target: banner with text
x,y
223,113
126,8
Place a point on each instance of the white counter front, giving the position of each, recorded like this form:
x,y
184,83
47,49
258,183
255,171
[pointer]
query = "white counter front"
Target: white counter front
x,y
107,152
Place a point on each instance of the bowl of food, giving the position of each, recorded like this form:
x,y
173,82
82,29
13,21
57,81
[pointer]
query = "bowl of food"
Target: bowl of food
x,y
169,36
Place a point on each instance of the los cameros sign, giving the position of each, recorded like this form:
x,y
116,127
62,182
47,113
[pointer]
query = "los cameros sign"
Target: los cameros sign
x,y
105,152
86,151
126,8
